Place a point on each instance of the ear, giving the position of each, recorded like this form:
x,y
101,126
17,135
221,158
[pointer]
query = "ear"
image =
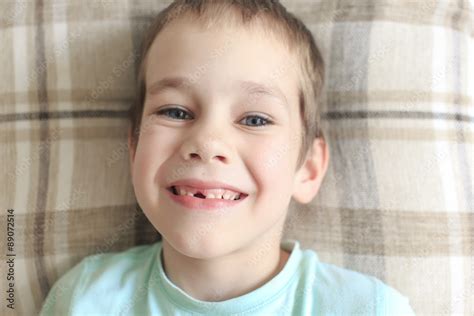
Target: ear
x,y
131,150
309,177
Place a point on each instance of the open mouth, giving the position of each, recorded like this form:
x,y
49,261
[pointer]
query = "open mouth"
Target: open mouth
x,y
208,194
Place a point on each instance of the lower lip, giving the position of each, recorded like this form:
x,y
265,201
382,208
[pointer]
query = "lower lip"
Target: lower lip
x,y
198,204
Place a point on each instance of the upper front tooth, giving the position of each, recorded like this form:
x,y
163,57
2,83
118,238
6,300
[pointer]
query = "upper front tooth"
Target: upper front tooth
x,y
182,191
210,194
227,195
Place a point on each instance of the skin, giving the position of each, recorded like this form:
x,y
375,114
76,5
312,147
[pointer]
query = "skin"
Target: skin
x,y
216,256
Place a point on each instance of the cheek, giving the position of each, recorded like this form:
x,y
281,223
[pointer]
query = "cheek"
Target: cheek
x,y
151,153
276,156
272,168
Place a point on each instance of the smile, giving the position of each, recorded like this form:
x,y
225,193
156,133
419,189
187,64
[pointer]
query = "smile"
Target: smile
x,y
205,199
223,194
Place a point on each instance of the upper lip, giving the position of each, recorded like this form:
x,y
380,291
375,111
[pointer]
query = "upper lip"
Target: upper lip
x,y
205,185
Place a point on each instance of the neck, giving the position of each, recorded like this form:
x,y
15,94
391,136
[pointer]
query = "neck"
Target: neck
x,y
227,276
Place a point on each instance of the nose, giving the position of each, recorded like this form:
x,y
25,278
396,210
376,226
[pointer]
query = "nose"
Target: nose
x,y
207,148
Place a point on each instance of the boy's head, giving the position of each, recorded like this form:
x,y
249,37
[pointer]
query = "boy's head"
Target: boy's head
x,y
227,91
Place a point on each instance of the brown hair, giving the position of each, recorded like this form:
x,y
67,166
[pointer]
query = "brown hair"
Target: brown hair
x,y
280,22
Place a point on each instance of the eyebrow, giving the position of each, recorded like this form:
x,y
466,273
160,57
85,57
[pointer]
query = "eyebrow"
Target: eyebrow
x,y
247,86
179,83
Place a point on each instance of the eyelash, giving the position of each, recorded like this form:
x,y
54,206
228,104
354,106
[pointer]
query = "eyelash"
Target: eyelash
x,y
267,120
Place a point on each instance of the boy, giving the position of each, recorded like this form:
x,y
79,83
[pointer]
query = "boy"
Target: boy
x,y
227,121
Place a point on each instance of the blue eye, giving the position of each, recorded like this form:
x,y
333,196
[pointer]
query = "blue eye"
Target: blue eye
x,y
257,118
178,111
180,114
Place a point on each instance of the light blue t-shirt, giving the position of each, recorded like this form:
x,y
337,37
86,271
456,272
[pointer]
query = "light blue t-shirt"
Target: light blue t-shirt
x,y
133,282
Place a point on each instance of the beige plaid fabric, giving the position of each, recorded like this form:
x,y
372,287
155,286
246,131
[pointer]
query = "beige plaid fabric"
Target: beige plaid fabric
x,y
397,201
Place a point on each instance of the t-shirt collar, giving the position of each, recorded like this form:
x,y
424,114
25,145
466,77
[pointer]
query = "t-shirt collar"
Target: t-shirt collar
x,y
258,297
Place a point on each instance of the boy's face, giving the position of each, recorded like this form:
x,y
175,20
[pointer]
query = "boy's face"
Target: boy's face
x,y
213,136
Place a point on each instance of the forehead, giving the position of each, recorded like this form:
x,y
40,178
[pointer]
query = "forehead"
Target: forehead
x,y
250,88
221,58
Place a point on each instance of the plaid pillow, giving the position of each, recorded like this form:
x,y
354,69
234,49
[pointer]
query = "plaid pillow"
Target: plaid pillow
x,y
397,201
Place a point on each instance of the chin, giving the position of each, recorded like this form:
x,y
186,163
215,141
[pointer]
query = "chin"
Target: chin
x,y
200,247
